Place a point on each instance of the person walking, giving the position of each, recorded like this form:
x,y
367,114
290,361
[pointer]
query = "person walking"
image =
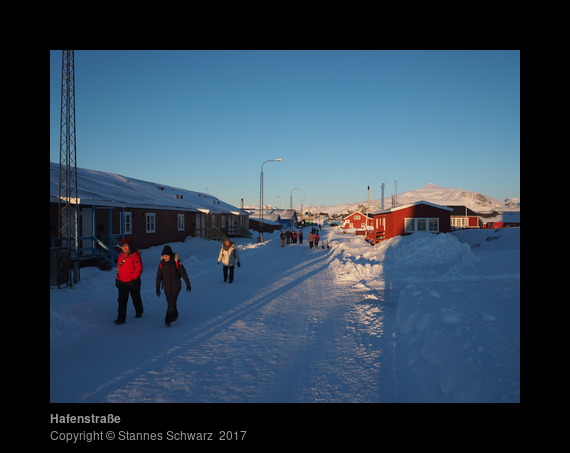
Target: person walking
x,y
300,236
170,271
311,239
228,256
282,237
316,239
128,280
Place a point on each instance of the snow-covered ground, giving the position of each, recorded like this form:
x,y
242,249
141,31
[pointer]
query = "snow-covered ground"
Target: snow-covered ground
x,y
421,318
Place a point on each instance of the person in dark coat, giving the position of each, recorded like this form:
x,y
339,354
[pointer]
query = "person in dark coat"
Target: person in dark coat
x,y
170,271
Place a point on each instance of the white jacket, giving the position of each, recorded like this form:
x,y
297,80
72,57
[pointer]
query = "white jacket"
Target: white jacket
x,y
230,256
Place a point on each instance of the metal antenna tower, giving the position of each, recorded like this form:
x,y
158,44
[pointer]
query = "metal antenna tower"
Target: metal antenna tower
x,y
68,201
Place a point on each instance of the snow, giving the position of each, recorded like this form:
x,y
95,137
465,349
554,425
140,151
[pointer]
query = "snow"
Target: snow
x,y
420,318
110,189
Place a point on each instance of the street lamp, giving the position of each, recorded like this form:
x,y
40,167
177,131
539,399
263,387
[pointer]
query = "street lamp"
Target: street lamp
x,y
291,197
260,237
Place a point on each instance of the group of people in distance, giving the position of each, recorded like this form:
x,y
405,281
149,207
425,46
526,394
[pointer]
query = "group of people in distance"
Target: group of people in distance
x,y
291,237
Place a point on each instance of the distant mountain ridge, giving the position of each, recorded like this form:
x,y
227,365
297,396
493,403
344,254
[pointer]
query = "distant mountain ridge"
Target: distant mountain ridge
x,y
434,194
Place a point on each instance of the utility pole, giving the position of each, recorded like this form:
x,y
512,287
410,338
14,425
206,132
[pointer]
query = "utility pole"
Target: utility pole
x,y
68,220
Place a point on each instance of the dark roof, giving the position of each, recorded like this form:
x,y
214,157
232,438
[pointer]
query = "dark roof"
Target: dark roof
x,y
460,210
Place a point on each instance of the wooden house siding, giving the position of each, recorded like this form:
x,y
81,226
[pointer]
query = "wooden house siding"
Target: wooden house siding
x,y
112,207
357,220
407,219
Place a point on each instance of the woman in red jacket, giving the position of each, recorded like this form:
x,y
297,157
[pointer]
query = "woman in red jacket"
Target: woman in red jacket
x,y
128,280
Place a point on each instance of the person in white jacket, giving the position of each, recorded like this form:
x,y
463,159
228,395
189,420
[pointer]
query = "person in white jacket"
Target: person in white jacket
x,y
229,256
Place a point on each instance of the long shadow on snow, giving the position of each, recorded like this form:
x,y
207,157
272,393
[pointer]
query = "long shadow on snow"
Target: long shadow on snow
x,y
216,320
226,316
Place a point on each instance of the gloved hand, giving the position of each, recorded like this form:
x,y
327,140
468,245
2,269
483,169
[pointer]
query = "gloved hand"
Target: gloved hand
x,y
189,288
239,264
158,292
218,263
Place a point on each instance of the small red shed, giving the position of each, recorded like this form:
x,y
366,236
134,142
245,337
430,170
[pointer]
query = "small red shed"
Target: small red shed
x,y
408,219
359,221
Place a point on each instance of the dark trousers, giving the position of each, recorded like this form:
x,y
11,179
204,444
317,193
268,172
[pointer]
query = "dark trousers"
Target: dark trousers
x,y
231,269
134,289
172,310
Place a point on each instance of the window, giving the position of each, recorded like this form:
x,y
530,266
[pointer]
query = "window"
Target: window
x,y
181,223
411,225
459,222
128,223
421,224
356,217
433,225
150,222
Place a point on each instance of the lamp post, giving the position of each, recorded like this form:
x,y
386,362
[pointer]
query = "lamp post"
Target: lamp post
x,y
260,237
291,197
302,208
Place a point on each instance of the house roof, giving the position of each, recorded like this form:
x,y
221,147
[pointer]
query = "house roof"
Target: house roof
x,y
286,214
462,210
267,214
99,188
397,208
358,212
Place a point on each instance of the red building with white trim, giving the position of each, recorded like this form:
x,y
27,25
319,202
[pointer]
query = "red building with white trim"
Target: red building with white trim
x,y
359,221
408,219
463,217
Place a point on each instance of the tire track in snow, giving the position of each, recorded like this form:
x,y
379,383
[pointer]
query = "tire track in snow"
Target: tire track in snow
x,y
301,336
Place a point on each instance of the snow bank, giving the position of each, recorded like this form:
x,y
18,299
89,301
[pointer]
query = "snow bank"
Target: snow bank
x,y
457,302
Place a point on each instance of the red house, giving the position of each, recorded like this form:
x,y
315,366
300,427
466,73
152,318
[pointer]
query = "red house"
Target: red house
x,y
463,217
359,221
408,219
112,207
506,219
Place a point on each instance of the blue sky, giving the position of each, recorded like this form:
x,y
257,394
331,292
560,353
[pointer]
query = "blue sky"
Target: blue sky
x,y
341,120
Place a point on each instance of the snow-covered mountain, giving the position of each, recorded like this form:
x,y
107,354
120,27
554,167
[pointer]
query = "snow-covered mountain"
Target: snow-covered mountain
x,y
435,194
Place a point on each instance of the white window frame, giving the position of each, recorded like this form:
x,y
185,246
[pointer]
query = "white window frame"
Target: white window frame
x,y
181,222
128,222
459,222
414,224
150,222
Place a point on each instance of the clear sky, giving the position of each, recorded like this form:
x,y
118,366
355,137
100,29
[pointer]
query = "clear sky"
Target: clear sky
x,y
341,120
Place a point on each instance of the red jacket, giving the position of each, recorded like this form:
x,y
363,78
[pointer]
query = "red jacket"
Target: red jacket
x,y
130,268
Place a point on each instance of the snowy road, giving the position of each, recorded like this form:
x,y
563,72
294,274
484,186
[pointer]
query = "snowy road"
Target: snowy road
x,y
285,331
421,318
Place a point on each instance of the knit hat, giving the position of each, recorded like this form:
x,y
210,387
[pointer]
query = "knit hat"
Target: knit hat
x,y
126,241
167,250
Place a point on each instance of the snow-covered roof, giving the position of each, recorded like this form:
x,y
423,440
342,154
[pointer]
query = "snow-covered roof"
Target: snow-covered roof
x,y
267,214
286,214
109,189
358,212
397,208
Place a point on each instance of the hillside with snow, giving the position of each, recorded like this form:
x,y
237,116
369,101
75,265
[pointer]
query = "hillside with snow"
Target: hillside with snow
x,y
434,194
